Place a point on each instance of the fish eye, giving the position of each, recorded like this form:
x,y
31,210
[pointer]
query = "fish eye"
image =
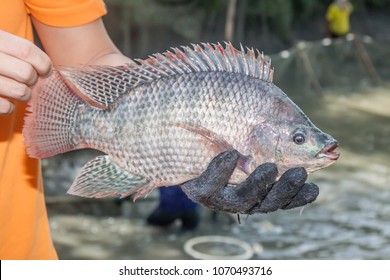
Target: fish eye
x,y
299,138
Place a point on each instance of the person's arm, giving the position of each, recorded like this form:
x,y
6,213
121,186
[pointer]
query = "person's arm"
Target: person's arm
x,y
21,62
79,46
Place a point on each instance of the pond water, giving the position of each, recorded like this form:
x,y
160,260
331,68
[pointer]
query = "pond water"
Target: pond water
x,y
349,220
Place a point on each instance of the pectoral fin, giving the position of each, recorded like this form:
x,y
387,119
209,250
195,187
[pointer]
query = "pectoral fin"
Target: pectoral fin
x,y
218,144
101,177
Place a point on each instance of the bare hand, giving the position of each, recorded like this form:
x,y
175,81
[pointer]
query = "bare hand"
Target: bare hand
x,y
21,63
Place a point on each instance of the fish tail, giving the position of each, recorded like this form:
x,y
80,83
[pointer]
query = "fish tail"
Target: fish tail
x,y
49,128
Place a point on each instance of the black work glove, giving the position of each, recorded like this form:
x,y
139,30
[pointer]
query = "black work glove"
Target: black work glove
x,y
259,193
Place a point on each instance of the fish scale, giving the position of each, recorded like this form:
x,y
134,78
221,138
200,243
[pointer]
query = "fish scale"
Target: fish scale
x,y
190,102
162,120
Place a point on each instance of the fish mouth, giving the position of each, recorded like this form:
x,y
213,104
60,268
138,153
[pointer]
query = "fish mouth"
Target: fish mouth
x,y
329,151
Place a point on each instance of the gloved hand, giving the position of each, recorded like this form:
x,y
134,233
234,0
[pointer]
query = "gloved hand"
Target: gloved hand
x,y
259,193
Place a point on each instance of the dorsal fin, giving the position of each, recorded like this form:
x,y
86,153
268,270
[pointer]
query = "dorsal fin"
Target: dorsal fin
x,y
104,84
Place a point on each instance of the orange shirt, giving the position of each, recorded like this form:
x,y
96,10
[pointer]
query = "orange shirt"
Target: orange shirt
x,y
24,228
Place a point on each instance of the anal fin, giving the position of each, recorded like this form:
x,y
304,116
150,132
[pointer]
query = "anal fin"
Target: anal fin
x,y
101,177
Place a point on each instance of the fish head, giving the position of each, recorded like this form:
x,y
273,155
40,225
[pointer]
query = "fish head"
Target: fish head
x,y
304,146
286,137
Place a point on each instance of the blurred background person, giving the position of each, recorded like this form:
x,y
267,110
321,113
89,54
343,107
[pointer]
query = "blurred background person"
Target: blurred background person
x,y
337,17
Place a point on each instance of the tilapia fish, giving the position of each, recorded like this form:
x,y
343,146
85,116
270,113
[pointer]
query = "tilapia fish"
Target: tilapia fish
x,y
161,120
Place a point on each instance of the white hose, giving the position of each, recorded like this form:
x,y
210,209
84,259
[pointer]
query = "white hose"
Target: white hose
x,y
190,250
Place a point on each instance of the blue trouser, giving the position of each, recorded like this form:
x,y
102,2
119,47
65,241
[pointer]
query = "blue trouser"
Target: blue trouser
x,y
173,199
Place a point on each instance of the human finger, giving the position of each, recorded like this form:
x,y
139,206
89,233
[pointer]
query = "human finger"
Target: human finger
x,y
244,197
213,179
14,89
259,181
284,190
17,69
220,168
307,194
6,107
26,51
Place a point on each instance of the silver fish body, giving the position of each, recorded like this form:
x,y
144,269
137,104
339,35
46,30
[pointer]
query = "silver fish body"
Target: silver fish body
x,y
169,130
169,116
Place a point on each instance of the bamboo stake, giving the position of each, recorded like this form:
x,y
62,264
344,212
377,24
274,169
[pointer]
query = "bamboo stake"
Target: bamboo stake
x,y
364,57
230,19
310,71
